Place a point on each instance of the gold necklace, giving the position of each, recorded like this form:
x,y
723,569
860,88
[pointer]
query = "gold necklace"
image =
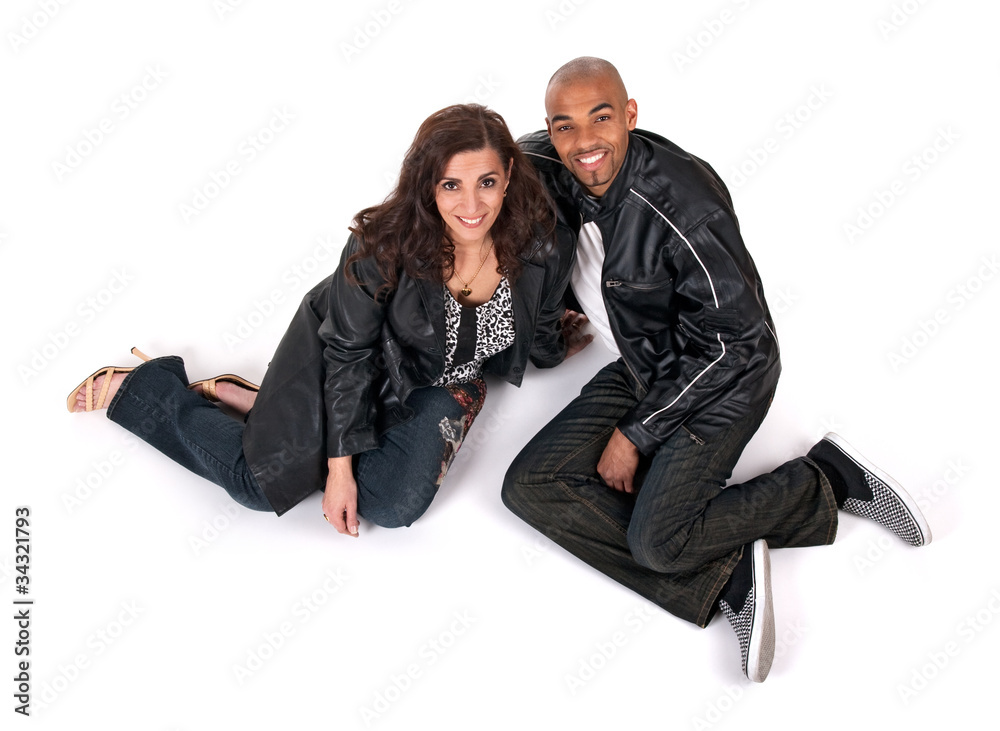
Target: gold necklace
x,y
466,289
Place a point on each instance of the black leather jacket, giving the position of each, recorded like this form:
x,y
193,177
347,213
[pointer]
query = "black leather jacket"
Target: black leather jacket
x,y
683,296
345,366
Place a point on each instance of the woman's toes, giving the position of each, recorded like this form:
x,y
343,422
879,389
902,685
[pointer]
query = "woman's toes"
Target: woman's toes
x,y
231,394
81,395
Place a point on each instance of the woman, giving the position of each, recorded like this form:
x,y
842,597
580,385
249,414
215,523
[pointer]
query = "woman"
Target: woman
x,y
378,378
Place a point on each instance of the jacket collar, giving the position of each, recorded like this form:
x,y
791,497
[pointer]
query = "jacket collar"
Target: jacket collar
x,y
594,208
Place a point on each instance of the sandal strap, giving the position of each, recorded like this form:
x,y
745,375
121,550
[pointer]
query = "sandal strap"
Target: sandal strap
x,y
89,386
105,386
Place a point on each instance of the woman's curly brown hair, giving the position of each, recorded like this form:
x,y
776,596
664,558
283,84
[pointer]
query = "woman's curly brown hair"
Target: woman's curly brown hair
x,y
406,233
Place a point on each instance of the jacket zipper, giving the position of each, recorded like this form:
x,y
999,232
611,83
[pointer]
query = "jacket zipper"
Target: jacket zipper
x,y
694,437
611,283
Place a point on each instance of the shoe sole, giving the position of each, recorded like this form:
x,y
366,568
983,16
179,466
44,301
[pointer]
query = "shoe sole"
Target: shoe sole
x,y
760,648
904,497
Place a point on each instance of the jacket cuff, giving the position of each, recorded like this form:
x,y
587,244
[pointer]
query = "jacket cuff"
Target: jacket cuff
x,y
644,440
549,357
344,445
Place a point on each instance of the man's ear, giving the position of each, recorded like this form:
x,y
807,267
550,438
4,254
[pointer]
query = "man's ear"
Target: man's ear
x,y
548,126
631,113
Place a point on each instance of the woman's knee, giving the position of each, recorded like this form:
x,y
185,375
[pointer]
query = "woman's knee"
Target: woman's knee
x,y
400,513
252,502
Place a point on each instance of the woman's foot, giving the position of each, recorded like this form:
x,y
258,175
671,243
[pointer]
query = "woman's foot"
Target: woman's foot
x,y
81,394
236,397
100,387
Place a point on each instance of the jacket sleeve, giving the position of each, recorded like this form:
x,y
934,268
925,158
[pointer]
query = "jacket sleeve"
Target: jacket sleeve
x,y
548,348
719,320
351,339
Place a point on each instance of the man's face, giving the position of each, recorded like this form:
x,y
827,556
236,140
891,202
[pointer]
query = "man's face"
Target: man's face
x,y
588,122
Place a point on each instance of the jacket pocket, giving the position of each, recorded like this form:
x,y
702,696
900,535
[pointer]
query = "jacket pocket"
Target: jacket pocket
x,y
638,286
694,437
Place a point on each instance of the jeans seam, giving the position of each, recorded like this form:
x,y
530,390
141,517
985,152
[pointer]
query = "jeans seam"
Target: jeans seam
x,y
831,503
579,449
593,508
713,595
555,478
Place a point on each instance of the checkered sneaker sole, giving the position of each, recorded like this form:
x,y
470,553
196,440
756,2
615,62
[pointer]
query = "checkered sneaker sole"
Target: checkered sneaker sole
x,y
754,625
890,506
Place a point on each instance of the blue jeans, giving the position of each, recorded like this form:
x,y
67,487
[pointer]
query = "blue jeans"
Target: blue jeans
x,y
396,482
677,538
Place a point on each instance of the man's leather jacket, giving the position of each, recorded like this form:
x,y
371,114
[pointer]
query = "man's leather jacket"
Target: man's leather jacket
x,y
683,296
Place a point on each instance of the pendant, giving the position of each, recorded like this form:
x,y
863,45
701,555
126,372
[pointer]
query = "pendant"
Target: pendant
x,y
466,291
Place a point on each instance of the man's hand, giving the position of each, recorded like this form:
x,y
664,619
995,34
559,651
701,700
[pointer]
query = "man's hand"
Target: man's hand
x,y
572,328
340,499
619,462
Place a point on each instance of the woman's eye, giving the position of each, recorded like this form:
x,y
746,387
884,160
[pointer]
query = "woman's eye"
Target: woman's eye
x,y
449,186
489,183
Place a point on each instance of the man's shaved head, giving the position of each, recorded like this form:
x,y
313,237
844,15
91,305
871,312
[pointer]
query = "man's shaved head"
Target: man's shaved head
x,y
584,69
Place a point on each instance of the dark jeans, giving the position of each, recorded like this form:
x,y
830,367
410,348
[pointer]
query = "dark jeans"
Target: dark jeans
x,y
396,482
677,539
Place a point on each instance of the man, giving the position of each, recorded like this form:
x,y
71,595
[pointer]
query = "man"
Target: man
x,y
629,475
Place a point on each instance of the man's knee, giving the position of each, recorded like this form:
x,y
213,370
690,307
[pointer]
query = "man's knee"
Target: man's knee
x,y
654,551
513,493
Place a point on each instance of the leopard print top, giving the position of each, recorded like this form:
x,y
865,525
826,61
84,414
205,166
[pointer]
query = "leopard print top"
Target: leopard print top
x,y
473,334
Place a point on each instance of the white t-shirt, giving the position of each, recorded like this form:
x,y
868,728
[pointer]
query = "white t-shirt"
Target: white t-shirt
x,y
587,281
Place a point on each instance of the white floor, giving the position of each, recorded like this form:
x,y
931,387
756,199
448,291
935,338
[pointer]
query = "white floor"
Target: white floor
x,y
859,141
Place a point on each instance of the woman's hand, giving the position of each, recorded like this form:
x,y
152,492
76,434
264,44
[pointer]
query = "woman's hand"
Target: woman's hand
x,y
340,498
572,327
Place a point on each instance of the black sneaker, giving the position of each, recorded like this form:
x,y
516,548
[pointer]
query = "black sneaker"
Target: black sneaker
x,y
746,602
863,489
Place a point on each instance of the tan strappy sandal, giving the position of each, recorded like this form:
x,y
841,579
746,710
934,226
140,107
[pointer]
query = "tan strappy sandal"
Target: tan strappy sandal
x,y
88,383
208,385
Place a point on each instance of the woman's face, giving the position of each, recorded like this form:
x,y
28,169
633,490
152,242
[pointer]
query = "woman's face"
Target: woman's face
x,y
470,194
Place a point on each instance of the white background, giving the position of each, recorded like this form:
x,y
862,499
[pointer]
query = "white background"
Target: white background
x,y
143,610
